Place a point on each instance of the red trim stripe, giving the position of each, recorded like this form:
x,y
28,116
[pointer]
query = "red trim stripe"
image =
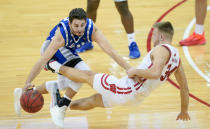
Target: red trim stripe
x,y
128,92
169,52
105,80
103,83
136,84
179,62
129,88
150,66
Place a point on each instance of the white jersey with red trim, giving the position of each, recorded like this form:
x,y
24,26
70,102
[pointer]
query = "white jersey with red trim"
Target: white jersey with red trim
x,y
171,65
122,91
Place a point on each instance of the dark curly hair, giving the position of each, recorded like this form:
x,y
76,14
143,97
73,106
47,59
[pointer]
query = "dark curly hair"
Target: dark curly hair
x,y
77,13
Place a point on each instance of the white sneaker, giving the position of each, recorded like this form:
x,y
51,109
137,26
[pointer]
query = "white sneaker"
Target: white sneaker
x,y
17,95
58,114
53,90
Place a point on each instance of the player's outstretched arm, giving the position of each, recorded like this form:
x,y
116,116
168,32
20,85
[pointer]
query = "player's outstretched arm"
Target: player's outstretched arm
x,y
158,62
56,43
99,38
184,92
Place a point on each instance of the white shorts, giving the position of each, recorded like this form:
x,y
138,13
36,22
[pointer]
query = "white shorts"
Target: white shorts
x,y
119,0
116,91
64,82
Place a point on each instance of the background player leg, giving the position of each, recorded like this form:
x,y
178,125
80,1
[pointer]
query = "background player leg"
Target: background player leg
x,y
92,6
127,21
198,36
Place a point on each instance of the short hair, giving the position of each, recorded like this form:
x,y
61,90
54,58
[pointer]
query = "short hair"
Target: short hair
x,y
165,27
77,13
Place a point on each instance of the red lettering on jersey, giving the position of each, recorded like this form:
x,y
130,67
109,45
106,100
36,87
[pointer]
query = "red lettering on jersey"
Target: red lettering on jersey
x,y
113,88
167,73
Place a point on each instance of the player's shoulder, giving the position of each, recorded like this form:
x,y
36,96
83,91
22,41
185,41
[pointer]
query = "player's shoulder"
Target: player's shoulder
x,y
160,50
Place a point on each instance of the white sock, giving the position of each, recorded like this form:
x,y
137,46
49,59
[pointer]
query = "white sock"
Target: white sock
x,y
131,38
55,65
199,29
34,88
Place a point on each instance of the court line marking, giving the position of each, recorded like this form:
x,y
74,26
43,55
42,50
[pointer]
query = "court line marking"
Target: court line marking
x,y
187,54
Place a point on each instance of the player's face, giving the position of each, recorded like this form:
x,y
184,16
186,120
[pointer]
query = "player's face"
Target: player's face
x,y
78,26
155,37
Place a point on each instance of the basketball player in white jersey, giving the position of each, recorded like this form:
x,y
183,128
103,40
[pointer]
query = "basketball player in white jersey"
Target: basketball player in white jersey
x,y
154,70
60,46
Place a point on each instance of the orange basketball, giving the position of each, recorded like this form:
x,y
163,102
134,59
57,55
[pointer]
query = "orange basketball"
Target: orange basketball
x,y
32,101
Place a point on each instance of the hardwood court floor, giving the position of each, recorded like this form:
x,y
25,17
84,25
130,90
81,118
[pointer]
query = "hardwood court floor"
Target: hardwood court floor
x,y
26,24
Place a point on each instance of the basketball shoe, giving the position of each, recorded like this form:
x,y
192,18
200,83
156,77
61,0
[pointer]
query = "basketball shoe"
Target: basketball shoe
x,y
193,39
58,111
134,51
17,95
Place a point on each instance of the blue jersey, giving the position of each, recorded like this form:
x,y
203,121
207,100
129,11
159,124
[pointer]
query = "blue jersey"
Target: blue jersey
x,y
72,42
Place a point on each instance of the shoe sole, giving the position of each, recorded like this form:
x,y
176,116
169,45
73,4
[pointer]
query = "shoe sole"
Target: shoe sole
x,y
132,57
192,44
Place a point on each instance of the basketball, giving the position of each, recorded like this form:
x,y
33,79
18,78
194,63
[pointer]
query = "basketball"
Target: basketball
x,y
32,101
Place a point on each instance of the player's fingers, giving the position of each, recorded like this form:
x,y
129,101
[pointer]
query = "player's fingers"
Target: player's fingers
x,y
177,117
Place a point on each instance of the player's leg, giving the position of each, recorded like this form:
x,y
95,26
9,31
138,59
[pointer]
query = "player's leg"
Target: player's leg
x,y
200,11
92,6
77,75
87,103
58,111
127,21
126,16
198,36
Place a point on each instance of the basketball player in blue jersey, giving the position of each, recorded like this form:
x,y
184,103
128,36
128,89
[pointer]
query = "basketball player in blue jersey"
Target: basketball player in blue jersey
x,y
68,35
126,19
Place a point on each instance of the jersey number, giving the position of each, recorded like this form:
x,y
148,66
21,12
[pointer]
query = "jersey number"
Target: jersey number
x,y
167,73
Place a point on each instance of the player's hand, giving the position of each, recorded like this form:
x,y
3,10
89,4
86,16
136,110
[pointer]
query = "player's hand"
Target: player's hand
x,y
131,72
27,86
183,116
